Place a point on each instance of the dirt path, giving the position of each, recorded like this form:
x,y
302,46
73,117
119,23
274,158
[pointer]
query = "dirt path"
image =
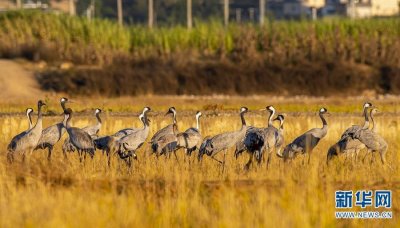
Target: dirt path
x,y
16,82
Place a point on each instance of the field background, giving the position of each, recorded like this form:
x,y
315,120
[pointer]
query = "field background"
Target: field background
x,y
166,193
327,57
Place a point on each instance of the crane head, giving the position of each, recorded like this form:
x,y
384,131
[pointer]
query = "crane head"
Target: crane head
x,y
29,111
367,105
41,103
198,114
64,100
244,109
171,110
323,110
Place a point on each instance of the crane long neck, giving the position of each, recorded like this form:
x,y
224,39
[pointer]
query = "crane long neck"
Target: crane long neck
x,y
197,123
145,121
271,115
63,106
281,125
67,121
175,129
39,120
242,118
98,118
30,119
366,123
174,117
324,123
373,121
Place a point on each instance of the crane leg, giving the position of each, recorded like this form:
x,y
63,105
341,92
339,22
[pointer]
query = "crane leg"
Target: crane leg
x,y
365,156
212,157
268,160
382,154
223,163
247,166
108,157
309,157
65,154
10,157
49,153
80,156
372,157
23,157
176,157
356,155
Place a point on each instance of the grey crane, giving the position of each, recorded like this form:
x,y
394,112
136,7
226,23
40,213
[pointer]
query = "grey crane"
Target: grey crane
x,y
127,131
94,129
257,140
51,135
168,143
222,142
167,130
29,112
240,147
91,130
80,139
106,143
347,144
373,141
27,140
134,141
191,138
305,143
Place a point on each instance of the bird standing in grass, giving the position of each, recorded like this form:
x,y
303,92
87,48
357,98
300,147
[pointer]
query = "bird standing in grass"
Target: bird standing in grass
x,y
191,138
305,143
347,144
91,130
80,139
372,140
51,135
166,132
222,142
128,145
26,141
258,140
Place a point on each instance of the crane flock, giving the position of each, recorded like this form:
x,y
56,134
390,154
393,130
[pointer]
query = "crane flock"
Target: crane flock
x,y
258,142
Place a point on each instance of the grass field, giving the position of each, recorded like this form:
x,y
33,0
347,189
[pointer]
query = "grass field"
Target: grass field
x,y
166,193
320,58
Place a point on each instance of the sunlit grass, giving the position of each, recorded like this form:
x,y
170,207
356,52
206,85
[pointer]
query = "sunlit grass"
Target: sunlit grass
x,y
127,105
162,192
79,40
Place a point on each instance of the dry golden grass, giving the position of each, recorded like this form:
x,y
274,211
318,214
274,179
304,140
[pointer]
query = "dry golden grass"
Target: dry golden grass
x,y
164,193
